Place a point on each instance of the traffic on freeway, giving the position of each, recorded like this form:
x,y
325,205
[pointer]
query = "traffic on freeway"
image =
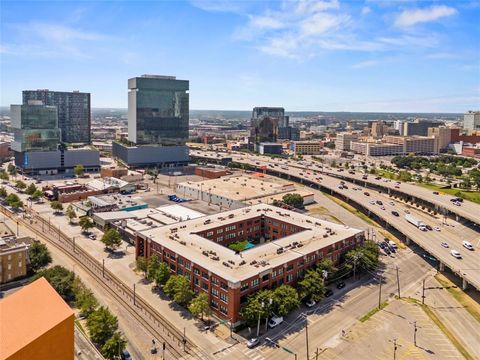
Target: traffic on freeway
x,y
433,241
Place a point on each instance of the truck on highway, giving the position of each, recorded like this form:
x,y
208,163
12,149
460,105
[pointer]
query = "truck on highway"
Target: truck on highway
x,y
414,221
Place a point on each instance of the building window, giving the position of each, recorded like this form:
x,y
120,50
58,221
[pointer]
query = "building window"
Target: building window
x,y
230,236
265,277
214,304
220,239
219,231
195,281
289,277
274,274
290,267
205,275
188,265
224,298
224,286
204,286
255,282
223,310
210,233
215,292
244,286
196,271
179,271
180,261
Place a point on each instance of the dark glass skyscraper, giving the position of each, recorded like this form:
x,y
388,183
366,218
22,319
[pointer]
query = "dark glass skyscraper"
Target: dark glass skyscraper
x,y
74,119
34,127
158,110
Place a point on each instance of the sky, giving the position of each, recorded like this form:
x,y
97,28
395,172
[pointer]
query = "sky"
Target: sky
x,y
357,55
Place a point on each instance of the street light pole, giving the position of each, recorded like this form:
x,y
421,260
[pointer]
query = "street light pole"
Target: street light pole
x,y
306,335
258,324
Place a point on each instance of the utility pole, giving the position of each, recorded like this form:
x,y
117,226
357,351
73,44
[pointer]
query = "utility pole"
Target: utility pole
x,y
306,335
394,349
415,333
423,292
398,284
184,340
380,291
316,354
134,295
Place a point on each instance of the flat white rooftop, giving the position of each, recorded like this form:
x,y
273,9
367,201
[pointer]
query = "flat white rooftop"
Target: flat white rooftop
x,y
182,239
179,212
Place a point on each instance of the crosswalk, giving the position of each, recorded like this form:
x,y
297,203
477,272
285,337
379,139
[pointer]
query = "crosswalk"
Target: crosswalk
x,y
233,352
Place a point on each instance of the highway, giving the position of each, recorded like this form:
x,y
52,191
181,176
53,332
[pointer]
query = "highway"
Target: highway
x,y
468,210
468,268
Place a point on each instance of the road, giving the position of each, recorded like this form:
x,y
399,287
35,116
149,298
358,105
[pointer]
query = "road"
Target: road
x,y
468,210
84,349
467,268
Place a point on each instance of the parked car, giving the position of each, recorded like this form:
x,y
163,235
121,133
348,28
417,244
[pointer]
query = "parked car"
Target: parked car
x,y
428,227
366,193
456,254
275,321
328,292
341,285
379,202
253,342
126,355
445,245
435,193
395,213
436,228
92,236
467,245
310,303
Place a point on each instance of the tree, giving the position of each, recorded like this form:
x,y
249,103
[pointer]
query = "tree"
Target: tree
x,y
325,268
285,299
364,257
162,274
30,189
57,206
12,170
14,201
114,346
102,324
112,239
141,265
178,289
85,223
311,286
152,267
78,170
19,184
37,195
254,309
200,305
39,256
4,176
71,214
3,193
61,280
295,200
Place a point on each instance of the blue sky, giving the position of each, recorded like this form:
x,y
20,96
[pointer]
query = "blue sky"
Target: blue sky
x,y
362,55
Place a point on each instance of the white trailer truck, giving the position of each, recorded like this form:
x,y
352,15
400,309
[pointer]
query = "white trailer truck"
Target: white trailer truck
x,y
414,221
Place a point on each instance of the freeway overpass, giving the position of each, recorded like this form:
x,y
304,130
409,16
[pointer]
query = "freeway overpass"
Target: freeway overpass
x,y
468,268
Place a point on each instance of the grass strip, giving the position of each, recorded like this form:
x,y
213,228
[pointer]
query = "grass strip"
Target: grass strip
x,y
372,312
473,196
431,314
79,324
460,296
352,210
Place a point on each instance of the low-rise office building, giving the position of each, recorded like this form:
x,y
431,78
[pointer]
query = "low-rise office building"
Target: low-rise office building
x,y
307,147
343,140
270,148
36,323
232,192
282,245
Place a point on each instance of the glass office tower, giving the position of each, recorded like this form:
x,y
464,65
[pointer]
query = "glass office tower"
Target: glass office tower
x,y
35,127
158,110
74,119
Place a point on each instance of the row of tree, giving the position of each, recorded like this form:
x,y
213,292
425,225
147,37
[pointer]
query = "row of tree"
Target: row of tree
x,y
101,323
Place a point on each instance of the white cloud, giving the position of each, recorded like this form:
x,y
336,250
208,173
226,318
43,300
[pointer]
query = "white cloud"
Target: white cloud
x,y
365,64
266,22
412,17
366,10
321,23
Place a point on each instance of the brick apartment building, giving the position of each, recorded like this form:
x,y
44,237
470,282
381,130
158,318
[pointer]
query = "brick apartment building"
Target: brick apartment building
x,y
283,245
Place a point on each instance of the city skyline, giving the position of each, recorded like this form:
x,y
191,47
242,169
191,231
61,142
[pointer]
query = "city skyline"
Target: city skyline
x,y
304,56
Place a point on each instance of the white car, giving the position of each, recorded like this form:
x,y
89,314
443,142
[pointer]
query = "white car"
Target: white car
x,y
467,245
436,228
372,202
456,254
275,321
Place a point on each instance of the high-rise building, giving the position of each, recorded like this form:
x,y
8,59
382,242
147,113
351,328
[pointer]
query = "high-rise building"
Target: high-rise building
x,y
158,110
265,123
442,135
37,142
73,109
158,123
343,140
419,127
379,129
35,127
471,120
398,125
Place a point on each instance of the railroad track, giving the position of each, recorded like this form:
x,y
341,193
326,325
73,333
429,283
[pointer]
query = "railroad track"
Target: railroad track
x,y
177,344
